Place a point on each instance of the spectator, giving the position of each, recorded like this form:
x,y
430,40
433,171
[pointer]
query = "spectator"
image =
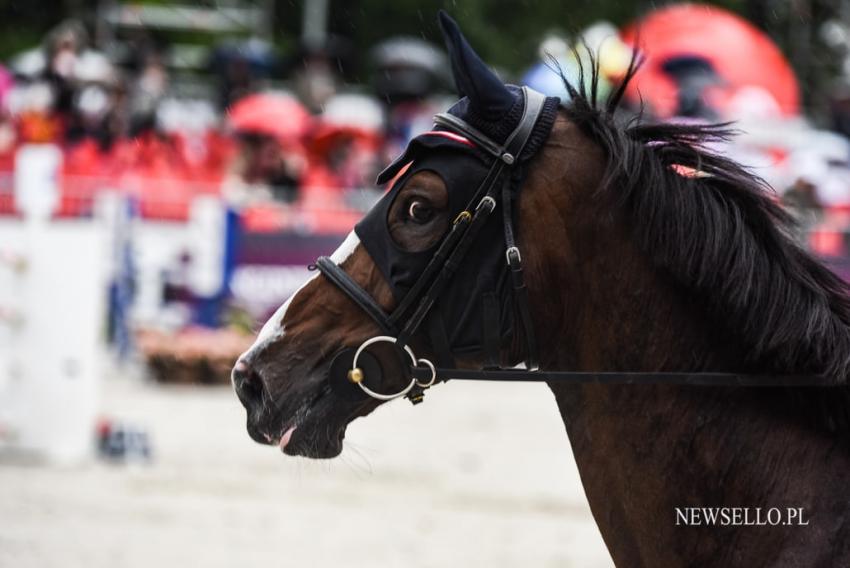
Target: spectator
x,y
264,170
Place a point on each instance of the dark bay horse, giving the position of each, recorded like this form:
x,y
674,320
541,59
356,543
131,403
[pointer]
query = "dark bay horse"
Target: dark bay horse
x,y
643,251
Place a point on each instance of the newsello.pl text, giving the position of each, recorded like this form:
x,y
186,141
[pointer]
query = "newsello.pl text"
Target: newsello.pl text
x,y
741,516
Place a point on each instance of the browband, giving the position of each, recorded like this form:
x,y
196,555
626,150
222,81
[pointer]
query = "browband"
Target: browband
x,y
511,150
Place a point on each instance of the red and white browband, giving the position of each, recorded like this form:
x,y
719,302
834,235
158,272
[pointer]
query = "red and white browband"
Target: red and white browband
x,y
450,135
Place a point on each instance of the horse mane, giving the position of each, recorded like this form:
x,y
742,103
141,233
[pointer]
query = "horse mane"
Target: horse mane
x,y
719,231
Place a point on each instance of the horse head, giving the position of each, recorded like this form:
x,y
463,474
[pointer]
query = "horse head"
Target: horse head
x,y
285,380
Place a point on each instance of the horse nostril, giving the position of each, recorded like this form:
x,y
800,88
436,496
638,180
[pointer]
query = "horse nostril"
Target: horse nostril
x,y
240,369
246,380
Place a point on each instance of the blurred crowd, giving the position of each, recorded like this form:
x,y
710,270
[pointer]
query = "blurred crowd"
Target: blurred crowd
x,y
290,144
276,137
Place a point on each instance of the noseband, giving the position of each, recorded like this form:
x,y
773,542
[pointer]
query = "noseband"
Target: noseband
x,y
350,368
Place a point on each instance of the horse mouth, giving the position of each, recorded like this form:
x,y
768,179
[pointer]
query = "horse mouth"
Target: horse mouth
x,y
312,430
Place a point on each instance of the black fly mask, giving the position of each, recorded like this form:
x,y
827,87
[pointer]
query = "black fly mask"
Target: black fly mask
x,y
480,149
476,310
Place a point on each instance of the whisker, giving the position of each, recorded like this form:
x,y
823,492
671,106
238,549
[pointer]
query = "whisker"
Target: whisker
x,y
365,465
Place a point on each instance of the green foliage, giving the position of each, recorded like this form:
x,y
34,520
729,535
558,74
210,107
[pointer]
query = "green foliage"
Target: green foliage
x,y
23,23
505,32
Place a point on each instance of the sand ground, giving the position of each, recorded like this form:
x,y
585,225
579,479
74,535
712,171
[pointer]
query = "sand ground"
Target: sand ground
x,y
478,475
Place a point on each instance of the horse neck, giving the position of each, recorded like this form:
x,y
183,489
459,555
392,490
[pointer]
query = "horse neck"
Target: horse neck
x,y
612,310
643,450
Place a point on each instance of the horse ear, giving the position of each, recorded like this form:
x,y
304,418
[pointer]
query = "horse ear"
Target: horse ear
x,y
473,78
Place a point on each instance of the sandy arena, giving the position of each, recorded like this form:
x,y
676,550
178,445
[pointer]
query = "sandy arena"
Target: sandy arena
x,y
478,475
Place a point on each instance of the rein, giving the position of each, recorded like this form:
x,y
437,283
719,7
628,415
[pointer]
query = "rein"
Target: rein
x,y
350,368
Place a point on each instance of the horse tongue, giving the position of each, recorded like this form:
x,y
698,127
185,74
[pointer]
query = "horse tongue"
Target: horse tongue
x,y
284,440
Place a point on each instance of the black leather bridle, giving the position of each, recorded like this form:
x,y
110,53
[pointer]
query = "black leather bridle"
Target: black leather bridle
x,y
351,367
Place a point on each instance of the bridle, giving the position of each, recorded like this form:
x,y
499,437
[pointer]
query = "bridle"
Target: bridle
x,y
351,367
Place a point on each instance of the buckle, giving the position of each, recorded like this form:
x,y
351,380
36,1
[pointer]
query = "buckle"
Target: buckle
x,y
462,216
513,252
486,201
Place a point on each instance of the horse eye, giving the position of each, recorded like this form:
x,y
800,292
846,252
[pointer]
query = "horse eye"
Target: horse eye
x,y
419,212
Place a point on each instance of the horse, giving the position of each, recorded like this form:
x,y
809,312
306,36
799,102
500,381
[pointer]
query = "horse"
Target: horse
x,y
642,250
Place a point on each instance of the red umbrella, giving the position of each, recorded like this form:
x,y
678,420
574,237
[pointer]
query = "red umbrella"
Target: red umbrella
x,y
273,114
744,58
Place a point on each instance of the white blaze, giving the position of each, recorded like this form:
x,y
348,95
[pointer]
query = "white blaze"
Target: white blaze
x,y
346,249
340,255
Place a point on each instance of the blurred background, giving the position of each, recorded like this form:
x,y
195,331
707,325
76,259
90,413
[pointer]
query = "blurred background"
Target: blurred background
x,y
168,170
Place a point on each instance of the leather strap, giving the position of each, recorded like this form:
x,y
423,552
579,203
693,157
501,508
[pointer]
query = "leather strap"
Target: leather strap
x,y
459,125
630,378
482,213
440,339
491,331
521,299
434,265
508,153
519,138
357,294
